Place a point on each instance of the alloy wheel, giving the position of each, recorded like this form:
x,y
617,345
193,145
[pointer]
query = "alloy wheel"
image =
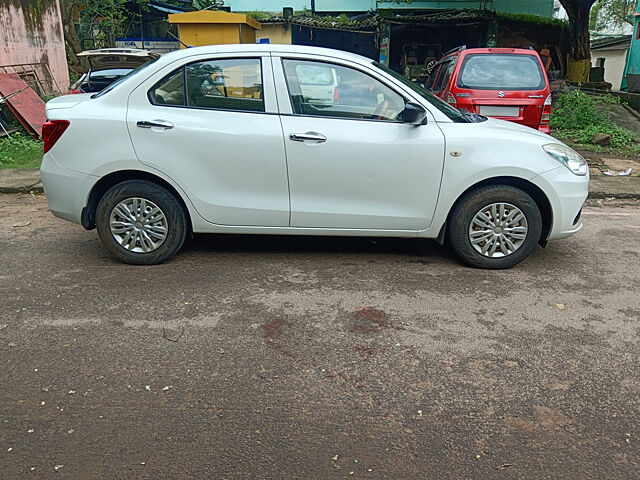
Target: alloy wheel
x,y
138,225
498,230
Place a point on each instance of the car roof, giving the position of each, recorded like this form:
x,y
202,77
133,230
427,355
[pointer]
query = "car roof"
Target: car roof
x,y
496,50
266,48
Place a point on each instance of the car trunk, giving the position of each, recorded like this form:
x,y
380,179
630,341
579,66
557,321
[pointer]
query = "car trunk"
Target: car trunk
x,y
116,61
510,86
524,108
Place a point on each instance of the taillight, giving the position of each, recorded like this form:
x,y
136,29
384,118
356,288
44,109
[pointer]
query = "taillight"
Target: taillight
x,y
52,131
451,100
75,90
546,112
336,95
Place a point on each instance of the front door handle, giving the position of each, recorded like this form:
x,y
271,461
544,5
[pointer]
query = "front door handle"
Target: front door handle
x,y
155,124
307,137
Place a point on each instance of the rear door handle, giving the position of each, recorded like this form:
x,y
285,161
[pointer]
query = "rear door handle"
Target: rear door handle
x,y
307,137
155,124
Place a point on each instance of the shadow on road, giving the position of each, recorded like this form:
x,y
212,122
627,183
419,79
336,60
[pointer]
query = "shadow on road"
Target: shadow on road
x,y
425,249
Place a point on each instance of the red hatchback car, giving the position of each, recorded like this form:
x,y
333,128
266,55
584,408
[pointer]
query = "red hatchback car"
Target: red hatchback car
x,y
505,83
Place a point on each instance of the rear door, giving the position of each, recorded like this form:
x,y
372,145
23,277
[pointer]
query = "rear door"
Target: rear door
x,y
211,125
509,86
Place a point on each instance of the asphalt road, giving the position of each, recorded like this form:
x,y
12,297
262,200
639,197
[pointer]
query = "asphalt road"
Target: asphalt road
x,y
317,358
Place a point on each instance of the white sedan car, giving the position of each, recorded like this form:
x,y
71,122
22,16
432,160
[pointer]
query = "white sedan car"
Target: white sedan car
x,y
223,139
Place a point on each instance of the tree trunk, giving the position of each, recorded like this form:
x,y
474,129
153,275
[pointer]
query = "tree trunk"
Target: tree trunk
x,y
580,62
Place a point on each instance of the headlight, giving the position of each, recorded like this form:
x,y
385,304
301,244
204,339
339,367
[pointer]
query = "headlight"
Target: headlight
x,y
568,157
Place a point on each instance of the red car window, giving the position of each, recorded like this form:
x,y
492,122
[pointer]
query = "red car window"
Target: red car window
x,y
501,72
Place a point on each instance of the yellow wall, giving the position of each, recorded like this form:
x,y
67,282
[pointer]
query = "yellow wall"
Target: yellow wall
x,y
276,33
247,34
207,27
199,34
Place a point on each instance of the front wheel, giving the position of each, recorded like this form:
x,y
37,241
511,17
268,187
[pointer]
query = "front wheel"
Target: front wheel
x,y
495,227
141,223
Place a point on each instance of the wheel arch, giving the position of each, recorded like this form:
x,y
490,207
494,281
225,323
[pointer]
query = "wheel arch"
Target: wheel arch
x,y
88,216
531,189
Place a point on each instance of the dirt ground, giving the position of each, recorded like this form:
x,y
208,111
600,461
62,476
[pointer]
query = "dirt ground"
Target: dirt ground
x,y
317,358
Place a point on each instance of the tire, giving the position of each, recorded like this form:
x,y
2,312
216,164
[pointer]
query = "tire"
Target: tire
x,y
156,234
502,227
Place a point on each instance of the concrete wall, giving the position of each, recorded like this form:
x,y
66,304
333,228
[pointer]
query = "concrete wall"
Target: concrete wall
x,y
276,33
615,61
31,32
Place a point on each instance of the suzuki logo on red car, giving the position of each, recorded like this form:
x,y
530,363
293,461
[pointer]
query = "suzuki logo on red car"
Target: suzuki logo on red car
x,y
501,94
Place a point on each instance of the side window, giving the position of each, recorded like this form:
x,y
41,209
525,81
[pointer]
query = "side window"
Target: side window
x,y
443,76
170,90
447,69
433,79
228,84
326,89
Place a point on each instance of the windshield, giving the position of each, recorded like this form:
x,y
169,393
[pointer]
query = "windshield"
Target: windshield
x,y
491,71
110,74
441,105
123,78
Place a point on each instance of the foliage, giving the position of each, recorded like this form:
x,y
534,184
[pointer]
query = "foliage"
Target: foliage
x,y
606,14
527,17
20,151
262,16
579,117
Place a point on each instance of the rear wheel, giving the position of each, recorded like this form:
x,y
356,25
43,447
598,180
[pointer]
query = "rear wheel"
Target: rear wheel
x,y
141,223
495,227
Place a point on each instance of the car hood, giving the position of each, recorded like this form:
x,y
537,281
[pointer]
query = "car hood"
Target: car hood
x,y
511,127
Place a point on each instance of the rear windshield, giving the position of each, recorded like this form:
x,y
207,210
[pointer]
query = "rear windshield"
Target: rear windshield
x,y
120,80
110,74
497,71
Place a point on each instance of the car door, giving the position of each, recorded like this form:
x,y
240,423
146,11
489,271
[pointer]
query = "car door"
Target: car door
x,y
211,125
352,162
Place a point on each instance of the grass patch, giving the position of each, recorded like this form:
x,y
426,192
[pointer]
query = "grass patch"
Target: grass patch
x,y
20,151
578,117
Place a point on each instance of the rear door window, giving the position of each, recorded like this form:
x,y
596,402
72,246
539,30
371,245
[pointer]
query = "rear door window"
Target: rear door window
x,y
225,84
492,71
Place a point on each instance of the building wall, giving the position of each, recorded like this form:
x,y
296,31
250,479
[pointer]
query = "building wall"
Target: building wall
x,y
199,34
615,61
31,32
536,7
276,33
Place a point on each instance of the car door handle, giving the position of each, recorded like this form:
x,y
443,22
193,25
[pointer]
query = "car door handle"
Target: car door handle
x,y
154,124
307,137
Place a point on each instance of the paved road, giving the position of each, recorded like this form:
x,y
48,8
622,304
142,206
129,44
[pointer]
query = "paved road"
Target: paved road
x,y
315,358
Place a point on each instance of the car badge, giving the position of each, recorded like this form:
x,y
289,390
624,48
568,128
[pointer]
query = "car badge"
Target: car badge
x,y
501,94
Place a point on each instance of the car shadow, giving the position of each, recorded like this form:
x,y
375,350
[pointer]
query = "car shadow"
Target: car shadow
x,y
427,250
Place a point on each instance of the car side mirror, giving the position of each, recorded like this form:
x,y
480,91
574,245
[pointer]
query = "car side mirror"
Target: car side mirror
x,y
414,114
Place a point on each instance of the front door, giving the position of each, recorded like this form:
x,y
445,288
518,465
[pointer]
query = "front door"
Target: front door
x,y
352,163
212,127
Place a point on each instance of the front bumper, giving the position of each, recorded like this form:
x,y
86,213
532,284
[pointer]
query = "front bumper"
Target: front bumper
x,y
566,193
66,190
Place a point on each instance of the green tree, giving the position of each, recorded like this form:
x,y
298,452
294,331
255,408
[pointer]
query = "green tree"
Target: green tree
x,y
100,20
607,14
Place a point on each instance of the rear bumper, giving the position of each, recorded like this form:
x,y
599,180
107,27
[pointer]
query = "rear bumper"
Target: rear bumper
x,y
545,129
66,190
566,193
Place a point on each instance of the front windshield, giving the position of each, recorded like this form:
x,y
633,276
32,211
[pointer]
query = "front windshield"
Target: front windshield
x,y
123,78
453,113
